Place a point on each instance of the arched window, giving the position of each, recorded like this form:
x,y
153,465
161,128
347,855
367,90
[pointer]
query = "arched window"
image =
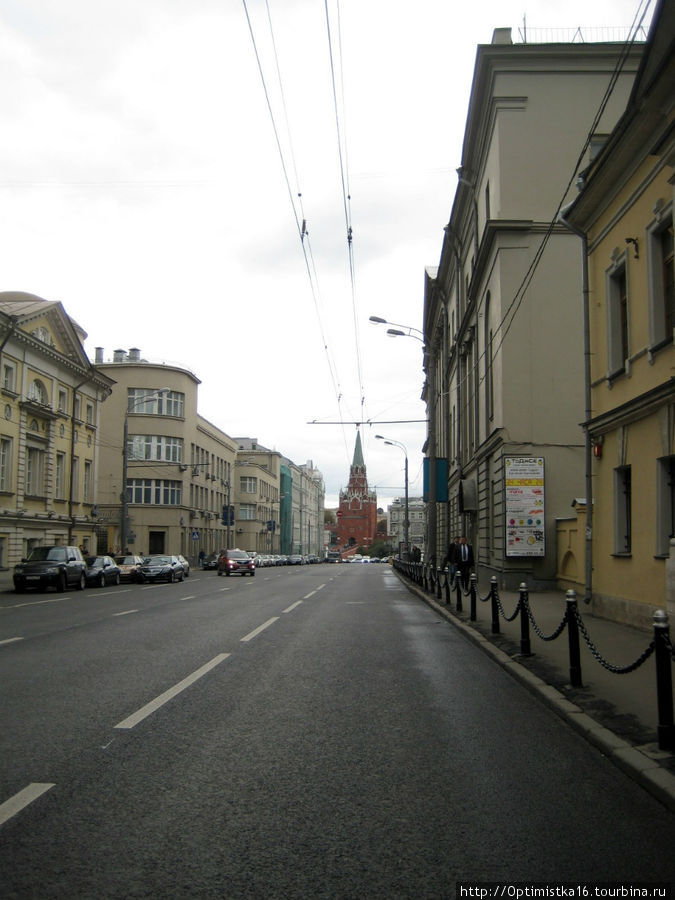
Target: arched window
x,y
38,392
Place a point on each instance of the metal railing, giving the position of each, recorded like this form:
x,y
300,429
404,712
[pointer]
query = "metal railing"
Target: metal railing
x,y
443,584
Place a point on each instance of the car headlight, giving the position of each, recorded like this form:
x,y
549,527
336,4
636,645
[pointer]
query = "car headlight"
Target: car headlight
x,y
52,570
18,570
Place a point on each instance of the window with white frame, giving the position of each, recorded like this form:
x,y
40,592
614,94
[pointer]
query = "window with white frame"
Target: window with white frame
x,y
90,414
155,447
618,350
38,392
63,400
60,477
150,403
35,471
9,377
154,491
661,278
623,511
247,511
5,464
665,504
87,486
248,485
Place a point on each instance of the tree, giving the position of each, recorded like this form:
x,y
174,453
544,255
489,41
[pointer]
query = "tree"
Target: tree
x,y
329,517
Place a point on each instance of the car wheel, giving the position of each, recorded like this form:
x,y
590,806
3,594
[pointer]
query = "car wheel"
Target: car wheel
x,y
227,572
181,576
252,574
19,588
63,584
82,582
117,578
101,580
219,572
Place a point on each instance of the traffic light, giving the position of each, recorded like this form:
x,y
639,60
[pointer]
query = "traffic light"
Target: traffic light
x,y
228,520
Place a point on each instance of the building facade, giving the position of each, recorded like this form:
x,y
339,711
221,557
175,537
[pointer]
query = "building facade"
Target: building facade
x,y
179,468
502,314
50,436
357,512
416,518
624,215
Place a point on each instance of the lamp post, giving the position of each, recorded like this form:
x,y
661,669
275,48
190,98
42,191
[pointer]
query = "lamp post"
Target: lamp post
x,y
125,460
406,520
396,331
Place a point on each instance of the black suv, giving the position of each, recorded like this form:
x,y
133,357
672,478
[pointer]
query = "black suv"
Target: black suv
x,y
46,567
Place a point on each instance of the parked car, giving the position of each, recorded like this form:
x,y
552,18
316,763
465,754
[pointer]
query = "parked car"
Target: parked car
x,y
185,564
235,562
210,561
57,567
162,568
296,560
102,570
130,567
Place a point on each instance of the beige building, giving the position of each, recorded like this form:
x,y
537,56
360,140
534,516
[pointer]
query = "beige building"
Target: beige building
x,y
416,518
50,436
625,212
502,312
180,469
257,479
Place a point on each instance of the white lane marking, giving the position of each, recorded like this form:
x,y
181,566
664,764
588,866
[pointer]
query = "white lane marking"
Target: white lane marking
x,y
33,603
155,704
287,610
19,801
252,634
321,586
127,612
11,640
307,596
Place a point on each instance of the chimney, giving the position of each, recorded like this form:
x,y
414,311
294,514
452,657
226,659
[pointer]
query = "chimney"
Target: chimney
x,y
119,356
98,358
134,354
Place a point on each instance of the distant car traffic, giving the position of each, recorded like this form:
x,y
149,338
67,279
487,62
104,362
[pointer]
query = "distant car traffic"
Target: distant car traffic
x,y
102,570
210,561
185,564
235,562
162,568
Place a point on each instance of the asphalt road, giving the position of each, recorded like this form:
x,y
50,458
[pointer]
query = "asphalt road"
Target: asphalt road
x,y
311,732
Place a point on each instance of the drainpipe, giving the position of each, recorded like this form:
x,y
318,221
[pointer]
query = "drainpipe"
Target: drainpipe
x,y
588,449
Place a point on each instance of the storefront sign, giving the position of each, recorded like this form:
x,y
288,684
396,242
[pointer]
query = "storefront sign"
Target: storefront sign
x,y
524,493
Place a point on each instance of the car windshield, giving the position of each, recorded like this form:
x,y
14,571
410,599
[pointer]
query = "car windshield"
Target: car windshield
x,y
52,553
237,554
94,560
125,560
157,560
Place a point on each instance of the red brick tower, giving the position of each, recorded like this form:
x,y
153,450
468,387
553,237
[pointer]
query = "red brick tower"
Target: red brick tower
x,y
357,513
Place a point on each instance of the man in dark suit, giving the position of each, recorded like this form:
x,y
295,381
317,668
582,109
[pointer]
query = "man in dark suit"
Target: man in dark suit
x,y
464,560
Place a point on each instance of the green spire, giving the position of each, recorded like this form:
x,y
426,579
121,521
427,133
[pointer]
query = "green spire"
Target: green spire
x,y
358,452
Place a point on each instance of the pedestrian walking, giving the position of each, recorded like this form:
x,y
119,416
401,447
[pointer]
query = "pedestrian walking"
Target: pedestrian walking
x,y
465,561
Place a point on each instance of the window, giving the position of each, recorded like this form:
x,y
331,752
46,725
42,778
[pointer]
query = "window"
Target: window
x,y
8,377
60,483
622,511
247,511
154,492
63,400
35,470
87,495
90,414
5,464
661,274
489,361
617,320
155,447
248,485
665,504
38,392
150,403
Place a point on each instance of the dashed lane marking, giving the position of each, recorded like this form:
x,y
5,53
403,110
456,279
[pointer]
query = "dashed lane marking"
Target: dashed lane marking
x,y
21,800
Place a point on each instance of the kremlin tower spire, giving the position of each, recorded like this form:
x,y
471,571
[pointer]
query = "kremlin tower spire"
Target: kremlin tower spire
x,y
357,514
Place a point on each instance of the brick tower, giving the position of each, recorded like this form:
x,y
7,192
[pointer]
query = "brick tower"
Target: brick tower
x,y
357,513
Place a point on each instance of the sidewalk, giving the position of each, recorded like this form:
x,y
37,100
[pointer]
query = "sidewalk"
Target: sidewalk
x,y
616,712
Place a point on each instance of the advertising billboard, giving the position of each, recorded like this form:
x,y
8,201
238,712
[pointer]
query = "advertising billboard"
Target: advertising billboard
x,y
524,503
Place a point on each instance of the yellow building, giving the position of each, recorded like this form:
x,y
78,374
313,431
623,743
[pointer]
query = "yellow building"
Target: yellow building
x,y
49,436
624,212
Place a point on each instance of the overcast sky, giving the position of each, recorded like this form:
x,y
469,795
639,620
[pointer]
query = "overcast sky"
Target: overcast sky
x,y
145,185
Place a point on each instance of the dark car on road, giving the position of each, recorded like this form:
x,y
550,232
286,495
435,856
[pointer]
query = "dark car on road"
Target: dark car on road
x,y
102,570
235,562
162,568
210,561
59,567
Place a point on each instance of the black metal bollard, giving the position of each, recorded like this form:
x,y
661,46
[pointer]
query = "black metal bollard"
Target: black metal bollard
x,y
458,589
473,597
664,681
573,637
524,621
495,611
438,585
447,586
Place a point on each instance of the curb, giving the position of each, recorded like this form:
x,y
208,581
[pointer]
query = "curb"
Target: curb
x,y
640,766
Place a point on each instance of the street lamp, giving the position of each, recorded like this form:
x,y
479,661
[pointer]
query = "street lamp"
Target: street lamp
x,y
396,331
406,522
125,461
